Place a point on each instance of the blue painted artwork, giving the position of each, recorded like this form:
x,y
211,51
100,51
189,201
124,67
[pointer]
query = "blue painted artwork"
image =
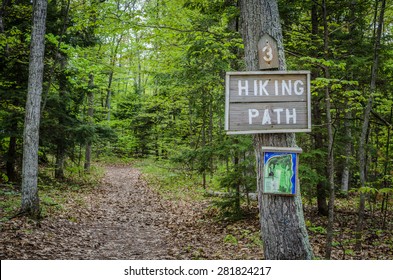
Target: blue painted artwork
x,y
280,173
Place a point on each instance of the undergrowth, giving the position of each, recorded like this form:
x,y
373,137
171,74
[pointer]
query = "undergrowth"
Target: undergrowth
x,y
53,193
171,182
175,183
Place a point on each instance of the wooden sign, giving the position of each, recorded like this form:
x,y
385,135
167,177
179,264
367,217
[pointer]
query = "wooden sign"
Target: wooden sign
x,y
267,53
280,170
267,102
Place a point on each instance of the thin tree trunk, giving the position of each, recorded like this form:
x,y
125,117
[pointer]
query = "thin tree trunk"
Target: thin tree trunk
x,y
348,152
60,159
317,117
30,201
109,96
11,154
211,165
204,162
65,11
330,159
365,127
237,186
110,80
3,5
385,200
90,116
282,222
348,113
60,141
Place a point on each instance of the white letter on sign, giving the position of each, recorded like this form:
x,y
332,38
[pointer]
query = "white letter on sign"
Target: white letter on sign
x,y
289,116
298,89
241,88
286,87
262,87
252,113
278,112
266,117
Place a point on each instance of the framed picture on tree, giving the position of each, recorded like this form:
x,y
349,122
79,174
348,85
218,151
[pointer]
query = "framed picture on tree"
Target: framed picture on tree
x,y
280,170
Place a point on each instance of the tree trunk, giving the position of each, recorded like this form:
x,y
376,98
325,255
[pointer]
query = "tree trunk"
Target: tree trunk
x,y
354,35
348,152
282,223
365,127
330,159
62,111
111,73
3,5
317,117
90,116
385,199
11,154
30,201
60,159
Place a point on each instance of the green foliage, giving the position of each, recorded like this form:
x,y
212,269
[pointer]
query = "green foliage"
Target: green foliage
x,y
315,229
4,178
230,239
170,181
9,203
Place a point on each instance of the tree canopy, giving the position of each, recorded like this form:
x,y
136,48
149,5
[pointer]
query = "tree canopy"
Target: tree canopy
x,y
146,78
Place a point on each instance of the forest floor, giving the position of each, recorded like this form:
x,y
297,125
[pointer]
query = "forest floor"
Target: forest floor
x,y
124,218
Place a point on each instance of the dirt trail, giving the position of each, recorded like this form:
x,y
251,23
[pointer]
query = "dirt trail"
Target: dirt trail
x,y
122,219
129,222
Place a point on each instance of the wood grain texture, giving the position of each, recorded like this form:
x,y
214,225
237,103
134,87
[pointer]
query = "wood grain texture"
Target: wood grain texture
x,y
272,91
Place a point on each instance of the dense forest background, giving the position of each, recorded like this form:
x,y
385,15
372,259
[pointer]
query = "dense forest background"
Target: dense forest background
x,y
145,79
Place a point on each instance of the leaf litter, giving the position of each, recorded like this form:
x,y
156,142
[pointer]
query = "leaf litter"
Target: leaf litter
x,y
124,218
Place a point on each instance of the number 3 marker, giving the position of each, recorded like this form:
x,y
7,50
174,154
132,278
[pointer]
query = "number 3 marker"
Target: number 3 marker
x,y
269,52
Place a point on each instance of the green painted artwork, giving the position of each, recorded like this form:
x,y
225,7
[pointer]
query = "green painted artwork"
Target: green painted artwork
x,y
280,173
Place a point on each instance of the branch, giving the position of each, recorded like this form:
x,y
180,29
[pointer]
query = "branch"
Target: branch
x,y
378,116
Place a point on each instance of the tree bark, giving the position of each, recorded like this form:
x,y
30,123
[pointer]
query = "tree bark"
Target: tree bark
x,y
317,117
282,222
90,116
3,4
11,154
365,126
329,125
348,152
30,201
62,111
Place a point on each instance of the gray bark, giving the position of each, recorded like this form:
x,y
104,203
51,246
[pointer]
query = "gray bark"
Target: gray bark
x,y
60,141
11,154
365,127
90,115
348,153
317,118
30,200
329,125
1,16
282,222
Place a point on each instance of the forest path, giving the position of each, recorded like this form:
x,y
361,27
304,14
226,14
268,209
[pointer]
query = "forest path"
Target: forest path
x,y
128,220
121,219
